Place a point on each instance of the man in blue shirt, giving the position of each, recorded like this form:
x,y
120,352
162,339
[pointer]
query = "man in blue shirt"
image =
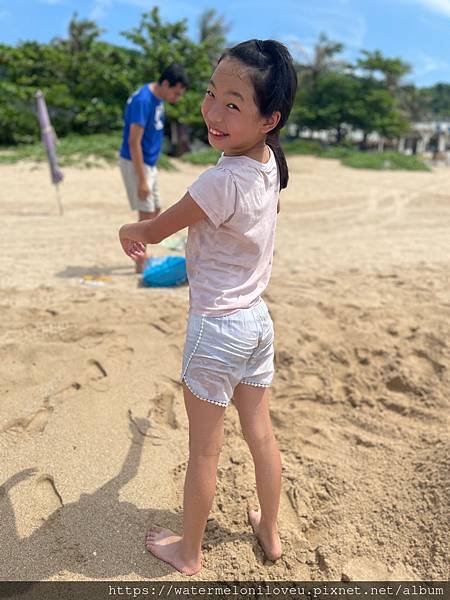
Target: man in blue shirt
x,y
143,134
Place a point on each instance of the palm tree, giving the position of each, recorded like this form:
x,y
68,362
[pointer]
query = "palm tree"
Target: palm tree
x,y
322,60
392,69
324,56
212,33
81,35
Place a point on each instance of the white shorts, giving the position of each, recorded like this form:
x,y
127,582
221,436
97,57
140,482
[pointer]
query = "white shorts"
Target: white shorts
x,y
151,203
222,352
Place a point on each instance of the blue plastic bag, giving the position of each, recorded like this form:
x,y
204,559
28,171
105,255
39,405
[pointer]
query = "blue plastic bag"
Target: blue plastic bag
x,y
164,271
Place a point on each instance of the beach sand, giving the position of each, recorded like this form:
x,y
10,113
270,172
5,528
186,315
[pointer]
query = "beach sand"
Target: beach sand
x,y
93,433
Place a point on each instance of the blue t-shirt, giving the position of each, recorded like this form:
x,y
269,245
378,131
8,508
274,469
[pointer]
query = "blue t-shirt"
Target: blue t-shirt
x,y
145,109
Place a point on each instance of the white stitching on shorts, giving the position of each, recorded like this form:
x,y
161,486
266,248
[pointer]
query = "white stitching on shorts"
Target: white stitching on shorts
x,y
256,384
200,397
200,333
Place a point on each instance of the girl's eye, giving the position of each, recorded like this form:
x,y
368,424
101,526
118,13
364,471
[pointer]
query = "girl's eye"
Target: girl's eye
x,y
209,93
231,105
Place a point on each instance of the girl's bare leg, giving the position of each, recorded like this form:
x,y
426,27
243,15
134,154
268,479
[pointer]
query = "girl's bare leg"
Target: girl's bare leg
x,y
205,442
252,404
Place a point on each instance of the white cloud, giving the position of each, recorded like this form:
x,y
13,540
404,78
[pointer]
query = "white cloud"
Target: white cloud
x,y
99,9
142,3
440,6
428,64
338,20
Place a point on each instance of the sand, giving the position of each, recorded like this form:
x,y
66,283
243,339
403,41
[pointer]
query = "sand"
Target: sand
x,y
93,434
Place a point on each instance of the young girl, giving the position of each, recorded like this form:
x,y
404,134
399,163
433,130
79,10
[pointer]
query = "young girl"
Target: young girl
x,y
231,212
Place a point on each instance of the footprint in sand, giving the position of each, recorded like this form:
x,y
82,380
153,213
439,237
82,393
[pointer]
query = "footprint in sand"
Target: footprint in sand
x,y
426,365
96,375
400,385
163,410
15,430
96,370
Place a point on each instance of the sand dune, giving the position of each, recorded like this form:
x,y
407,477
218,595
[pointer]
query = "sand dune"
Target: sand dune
x,y
93,433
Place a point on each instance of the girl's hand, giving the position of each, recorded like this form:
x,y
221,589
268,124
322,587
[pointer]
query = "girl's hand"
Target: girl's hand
x,y
131,248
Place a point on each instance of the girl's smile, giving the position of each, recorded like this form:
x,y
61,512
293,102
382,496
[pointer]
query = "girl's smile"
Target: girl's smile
x,y
216,133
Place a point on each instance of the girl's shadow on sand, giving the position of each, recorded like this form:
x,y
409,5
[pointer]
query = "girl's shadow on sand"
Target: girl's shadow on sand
x,y
99,536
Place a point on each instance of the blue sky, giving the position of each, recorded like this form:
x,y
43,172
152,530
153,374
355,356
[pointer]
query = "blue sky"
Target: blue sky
x,y
418,31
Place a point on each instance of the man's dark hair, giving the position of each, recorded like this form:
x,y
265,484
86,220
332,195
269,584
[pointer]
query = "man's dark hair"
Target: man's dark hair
x,y
174,74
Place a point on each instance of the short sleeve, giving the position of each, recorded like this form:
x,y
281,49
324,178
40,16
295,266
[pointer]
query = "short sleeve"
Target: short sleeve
x,y
140,111
216,193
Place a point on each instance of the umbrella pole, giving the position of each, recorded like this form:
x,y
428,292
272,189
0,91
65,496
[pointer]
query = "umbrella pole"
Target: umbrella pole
x,y
58,196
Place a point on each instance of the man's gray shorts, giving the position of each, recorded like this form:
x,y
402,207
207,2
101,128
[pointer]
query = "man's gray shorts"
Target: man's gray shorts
x,y
151,203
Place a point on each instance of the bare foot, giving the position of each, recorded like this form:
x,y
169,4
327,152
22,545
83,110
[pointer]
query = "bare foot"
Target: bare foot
x,y
270,542
166,545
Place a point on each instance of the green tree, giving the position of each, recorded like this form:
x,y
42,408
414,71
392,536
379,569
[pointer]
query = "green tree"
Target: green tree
x,y
375,109
439,99
322,60
85,82
24,69
328,105
382,95
332,95
163,43
82,33
415,102
316,106
391,69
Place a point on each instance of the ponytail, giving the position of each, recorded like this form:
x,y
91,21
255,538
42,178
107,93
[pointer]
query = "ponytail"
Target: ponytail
x,y
273,140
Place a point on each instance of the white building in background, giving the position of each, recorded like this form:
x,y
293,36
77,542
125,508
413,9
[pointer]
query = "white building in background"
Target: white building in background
x,y
426,137
431,138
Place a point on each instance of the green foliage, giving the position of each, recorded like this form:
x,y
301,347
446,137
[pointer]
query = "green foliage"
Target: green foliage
x,y
301,146
389,160
384,161
80,150
333,95
18,124
439,99
202,157
376,109
86,82
163,43
329,103
391,69
212,33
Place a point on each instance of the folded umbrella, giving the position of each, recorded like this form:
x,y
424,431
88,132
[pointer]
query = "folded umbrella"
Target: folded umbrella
x,y
49,141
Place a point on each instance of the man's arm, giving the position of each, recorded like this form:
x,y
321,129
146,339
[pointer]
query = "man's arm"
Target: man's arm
x,y
135,144
182,214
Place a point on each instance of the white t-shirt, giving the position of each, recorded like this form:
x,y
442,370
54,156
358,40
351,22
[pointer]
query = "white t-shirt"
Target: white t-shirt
x,y
229,254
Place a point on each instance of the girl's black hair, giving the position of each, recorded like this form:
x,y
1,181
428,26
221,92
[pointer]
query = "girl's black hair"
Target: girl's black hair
x,y
272,73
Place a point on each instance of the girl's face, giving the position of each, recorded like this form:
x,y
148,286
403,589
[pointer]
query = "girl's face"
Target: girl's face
x,y
234,122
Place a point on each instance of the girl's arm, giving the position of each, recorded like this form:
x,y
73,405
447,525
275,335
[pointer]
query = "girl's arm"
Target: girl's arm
x,y
133,236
